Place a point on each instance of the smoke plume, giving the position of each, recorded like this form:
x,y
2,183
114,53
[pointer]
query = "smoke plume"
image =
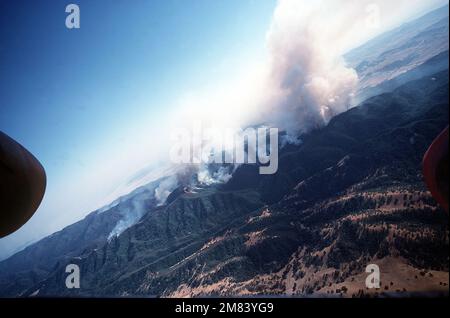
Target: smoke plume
x,y
308,79
165,188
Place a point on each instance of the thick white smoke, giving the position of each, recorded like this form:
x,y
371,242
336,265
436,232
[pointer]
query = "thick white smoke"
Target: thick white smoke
x,y
309,80
207,177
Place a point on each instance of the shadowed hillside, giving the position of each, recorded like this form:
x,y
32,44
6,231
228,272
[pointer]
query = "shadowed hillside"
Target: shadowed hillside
x,y
355,196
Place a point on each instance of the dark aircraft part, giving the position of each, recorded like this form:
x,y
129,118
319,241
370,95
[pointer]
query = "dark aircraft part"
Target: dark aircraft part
x,y
435,169
22,185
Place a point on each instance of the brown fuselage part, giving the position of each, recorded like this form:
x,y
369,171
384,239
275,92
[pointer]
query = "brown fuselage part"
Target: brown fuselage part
x,y
22,185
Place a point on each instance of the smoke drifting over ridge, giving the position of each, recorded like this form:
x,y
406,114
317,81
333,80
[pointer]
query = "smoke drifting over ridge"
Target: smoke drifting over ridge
x,y
303,83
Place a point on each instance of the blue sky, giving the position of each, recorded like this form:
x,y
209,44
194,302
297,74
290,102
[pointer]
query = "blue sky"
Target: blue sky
x,y
82,100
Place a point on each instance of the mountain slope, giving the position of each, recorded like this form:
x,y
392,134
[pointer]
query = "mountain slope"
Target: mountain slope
x,y
358,198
